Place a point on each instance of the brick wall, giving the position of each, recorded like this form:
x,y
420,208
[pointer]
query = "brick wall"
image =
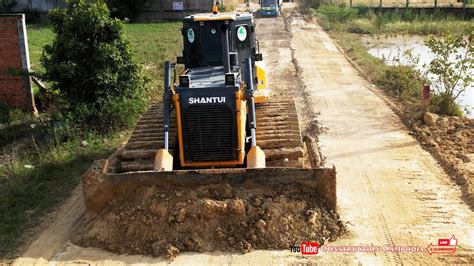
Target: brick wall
x,y
15,89
154,10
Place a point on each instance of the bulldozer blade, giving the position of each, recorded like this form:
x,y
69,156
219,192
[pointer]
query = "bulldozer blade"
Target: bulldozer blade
x,y
100,187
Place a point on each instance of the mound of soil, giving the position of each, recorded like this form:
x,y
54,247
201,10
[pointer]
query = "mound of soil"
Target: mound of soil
x,y
165,220
451,141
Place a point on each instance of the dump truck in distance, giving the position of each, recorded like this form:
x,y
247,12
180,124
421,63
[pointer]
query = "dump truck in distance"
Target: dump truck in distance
x,y
270,8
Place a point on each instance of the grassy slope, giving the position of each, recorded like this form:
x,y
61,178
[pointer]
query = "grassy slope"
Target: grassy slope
x,y
154,43
362,20
27,193
408,108
31,185
418,27
401,83
38,36
347,25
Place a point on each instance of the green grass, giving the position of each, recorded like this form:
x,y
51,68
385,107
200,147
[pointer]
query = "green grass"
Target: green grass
x,y
40,179
152,43
363,20
346,26
43,167
400,82
373,67
38,36
16,124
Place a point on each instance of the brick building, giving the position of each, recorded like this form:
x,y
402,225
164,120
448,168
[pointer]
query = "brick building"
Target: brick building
x,y
15,85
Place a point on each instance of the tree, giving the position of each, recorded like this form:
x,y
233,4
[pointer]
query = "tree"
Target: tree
x,y
90,65
7,5
451,70
123,9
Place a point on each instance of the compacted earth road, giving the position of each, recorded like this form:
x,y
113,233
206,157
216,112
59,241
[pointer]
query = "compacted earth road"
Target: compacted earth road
x,y
394,197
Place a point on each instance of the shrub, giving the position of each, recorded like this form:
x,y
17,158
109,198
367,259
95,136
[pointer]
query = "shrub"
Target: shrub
x,y
444,105
4,114
359,28
364,10
90,64
324,22
314,3
409,15
380,20
13,116
402,81
338,13
123,9
451,69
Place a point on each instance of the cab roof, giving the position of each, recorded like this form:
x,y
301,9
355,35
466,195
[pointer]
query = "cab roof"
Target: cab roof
x,y
219,16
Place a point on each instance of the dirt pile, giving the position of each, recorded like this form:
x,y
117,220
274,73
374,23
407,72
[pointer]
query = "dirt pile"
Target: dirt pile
x,y
165,220
451,141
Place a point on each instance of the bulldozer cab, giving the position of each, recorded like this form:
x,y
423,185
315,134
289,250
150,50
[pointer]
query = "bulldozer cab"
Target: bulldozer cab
x,y
214,99
203,41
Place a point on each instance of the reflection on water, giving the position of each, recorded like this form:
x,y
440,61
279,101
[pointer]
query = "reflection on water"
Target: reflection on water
x,y
392,51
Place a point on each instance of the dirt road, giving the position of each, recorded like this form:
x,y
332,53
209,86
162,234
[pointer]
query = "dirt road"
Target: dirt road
x,y
390,191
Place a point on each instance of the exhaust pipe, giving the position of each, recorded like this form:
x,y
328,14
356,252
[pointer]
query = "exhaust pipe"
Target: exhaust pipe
x,y
225,48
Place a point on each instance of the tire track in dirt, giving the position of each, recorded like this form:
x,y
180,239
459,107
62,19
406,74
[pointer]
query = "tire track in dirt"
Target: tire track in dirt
x,y
314,130
390,191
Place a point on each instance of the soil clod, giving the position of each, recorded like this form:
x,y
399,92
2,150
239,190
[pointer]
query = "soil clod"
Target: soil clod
x,y
209,218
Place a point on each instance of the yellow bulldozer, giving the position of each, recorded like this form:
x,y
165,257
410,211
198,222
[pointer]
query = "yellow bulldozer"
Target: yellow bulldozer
x,y
216,123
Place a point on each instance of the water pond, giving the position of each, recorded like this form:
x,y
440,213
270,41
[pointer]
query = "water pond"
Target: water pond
x,y
393,51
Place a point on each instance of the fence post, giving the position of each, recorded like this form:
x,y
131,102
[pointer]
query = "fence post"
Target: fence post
x,y
380,6
407,3
435,4
350,3
426,98
464,8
